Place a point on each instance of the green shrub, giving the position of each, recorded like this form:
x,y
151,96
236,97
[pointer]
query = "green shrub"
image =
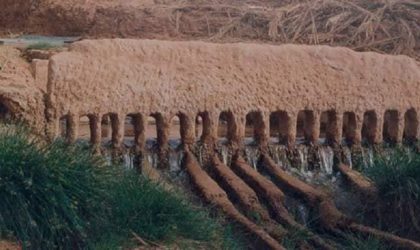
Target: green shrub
x,y
357,242
140,206
60,196
397,176
48,192
41,46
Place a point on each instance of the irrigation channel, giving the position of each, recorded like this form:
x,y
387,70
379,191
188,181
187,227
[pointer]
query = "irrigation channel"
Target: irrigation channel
x,y
316,189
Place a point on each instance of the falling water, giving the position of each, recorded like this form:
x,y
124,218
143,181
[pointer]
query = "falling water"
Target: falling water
x,y
298,209
252,154
128,159
367,157
175,159
303,157
326,156
347,156
152,158
224,152
200,152
278,153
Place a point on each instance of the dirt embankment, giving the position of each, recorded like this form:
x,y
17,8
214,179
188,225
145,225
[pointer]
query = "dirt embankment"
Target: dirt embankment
x,y
384,26
19,93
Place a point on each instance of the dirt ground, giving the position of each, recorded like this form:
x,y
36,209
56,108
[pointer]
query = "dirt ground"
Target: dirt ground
x,y
383,26
7,245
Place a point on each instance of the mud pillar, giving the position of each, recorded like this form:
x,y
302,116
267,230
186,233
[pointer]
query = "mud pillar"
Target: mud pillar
x,y
210,126
291,129
378,136
357,137
314,128
139,140
337,129
187,123
139,133
208,141
52,129
417,128
262,130
95,124
72,127
400,128
117,124
237,132
162,129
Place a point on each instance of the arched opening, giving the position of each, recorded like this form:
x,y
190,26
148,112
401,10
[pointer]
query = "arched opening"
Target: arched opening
x,y
279,121
198,127
226,127
175,131
63,125
411,126
106,130
305,125
254,127
4,112
349,127
328,126
130,123
370,121
203,126
151,131
390,129
109,127
84,128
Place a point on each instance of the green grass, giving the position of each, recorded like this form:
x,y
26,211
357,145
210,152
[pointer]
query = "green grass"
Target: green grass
x,y
60,196
357,242
41,46
397,176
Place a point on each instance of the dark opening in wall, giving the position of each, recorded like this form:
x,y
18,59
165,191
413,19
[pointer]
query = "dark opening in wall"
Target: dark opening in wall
x,y
106,130
203,126
328,126
130,129
411,126
199,126
254,127
370,123
279,121
63,126
151,131
349,127
178,130
227,126
4,112
84,133
390,129
305,125
175,130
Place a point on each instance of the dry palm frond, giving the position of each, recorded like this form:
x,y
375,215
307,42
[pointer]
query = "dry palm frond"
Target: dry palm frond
x,y
386,26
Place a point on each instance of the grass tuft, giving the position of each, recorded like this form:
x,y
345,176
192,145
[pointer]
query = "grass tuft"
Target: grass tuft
x,y
59,196
41,46
397,176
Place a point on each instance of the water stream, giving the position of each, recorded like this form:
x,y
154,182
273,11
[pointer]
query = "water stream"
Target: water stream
x,y
313,165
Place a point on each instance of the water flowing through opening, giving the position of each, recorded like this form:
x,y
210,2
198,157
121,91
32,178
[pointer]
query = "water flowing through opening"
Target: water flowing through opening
x,y
411,127
84,133
279,121
349,128
151,156
4,112
391,124
63,126
305,126
370,123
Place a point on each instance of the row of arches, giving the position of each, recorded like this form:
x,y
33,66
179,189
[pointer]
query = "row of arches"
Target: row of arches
x,y
280,127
